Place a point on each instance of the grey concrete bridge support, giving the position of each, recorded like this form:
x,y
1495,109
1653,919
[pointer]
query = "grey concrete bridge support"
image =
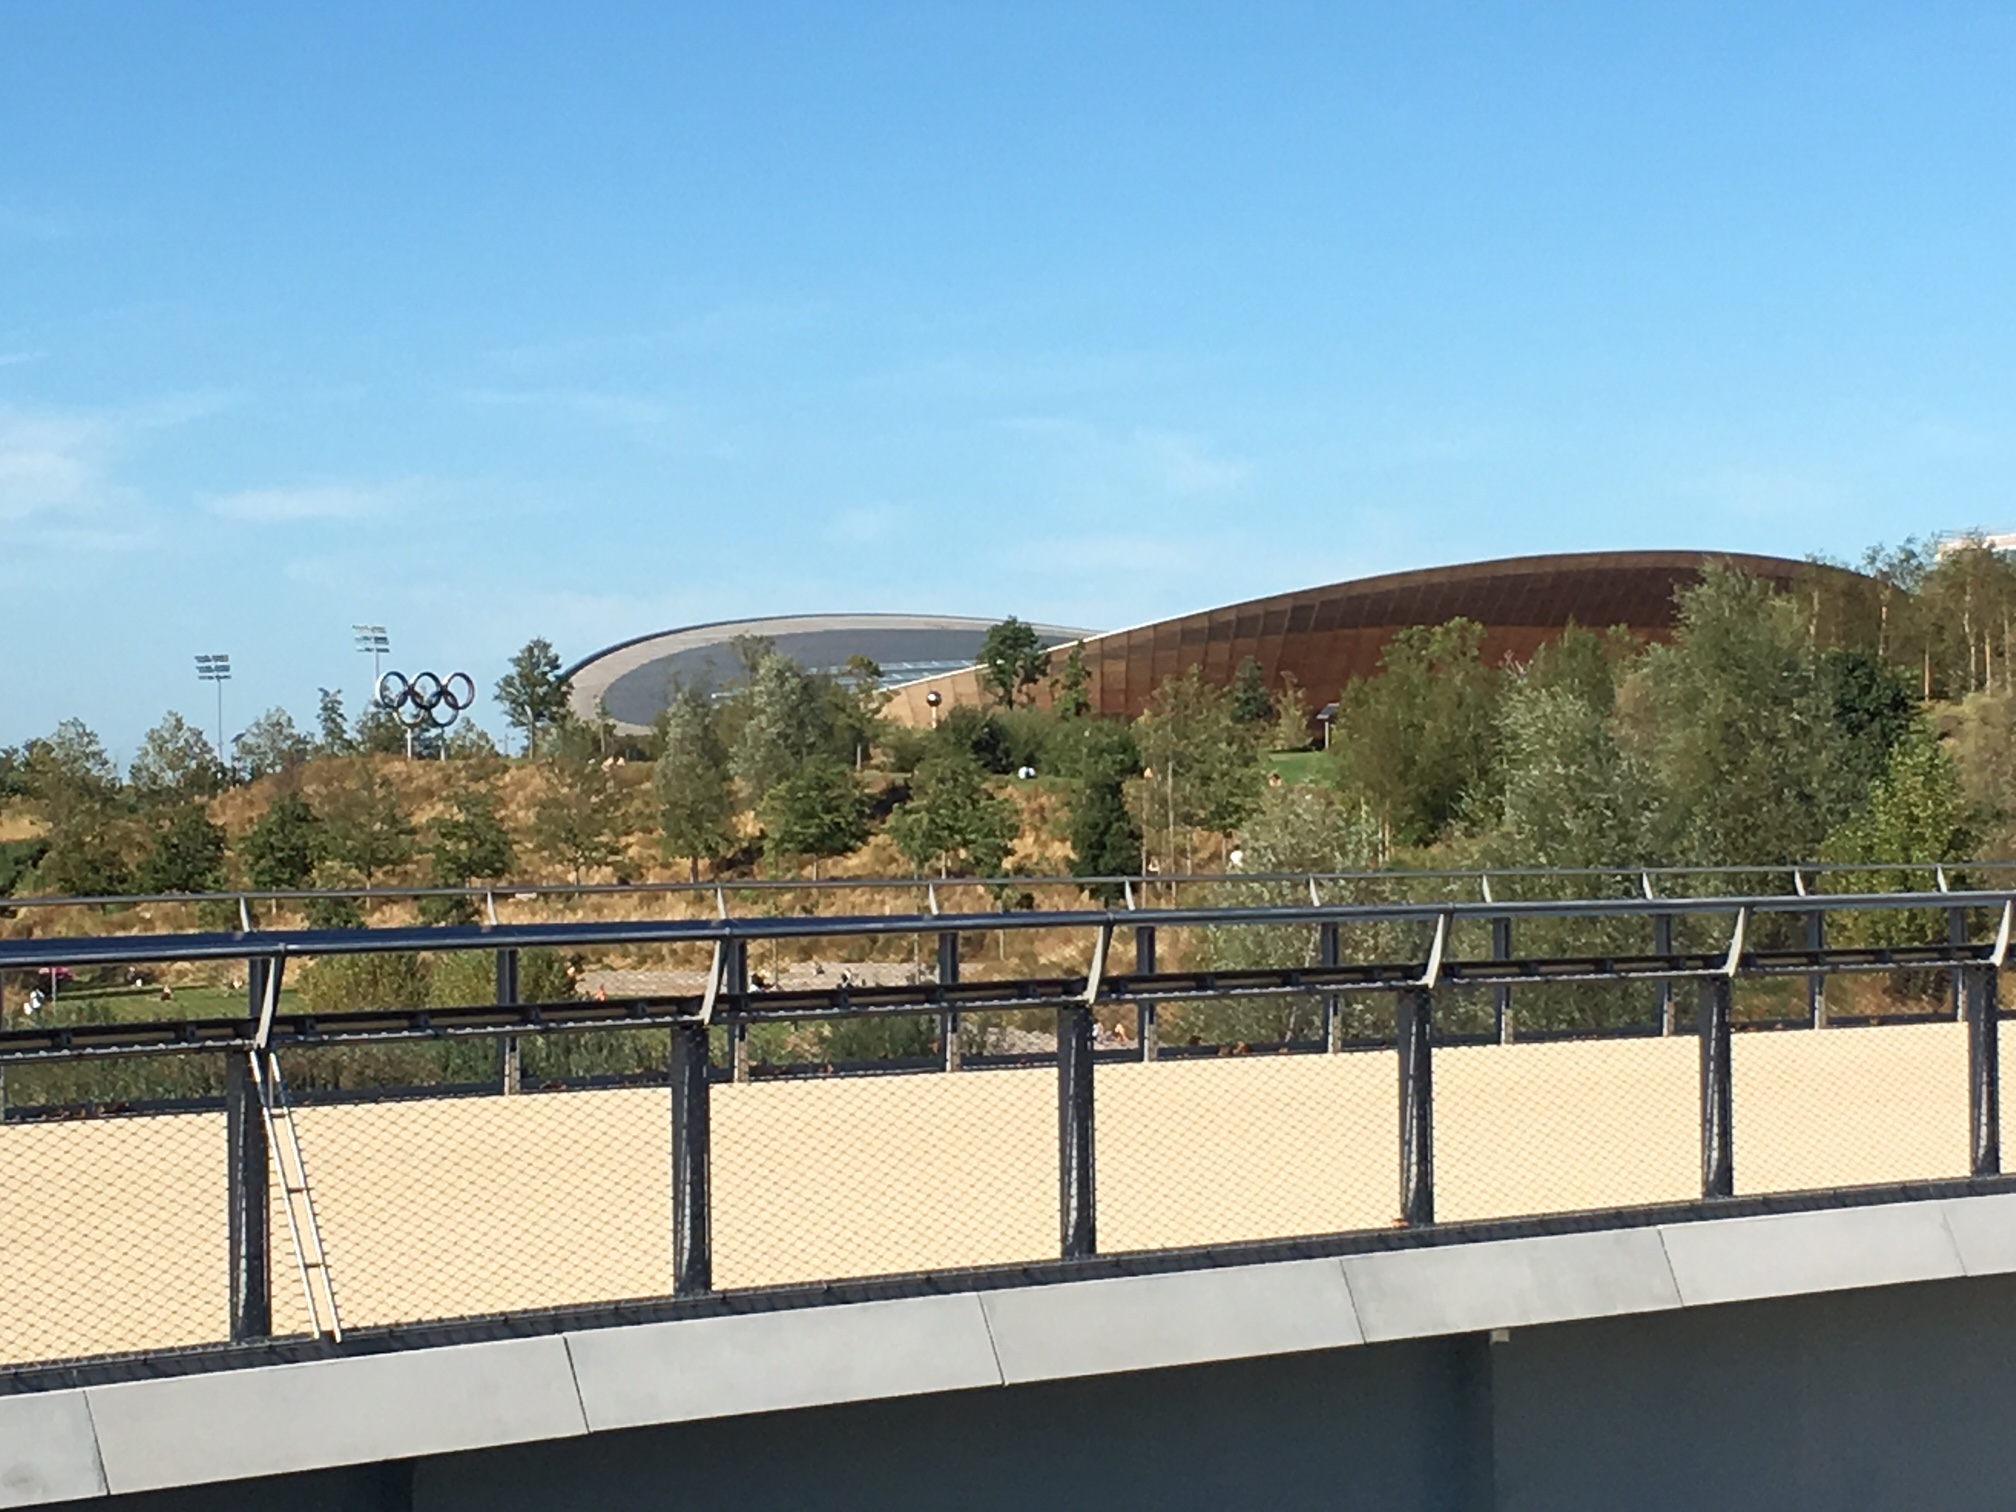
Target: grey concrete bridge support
x,y
1857,1359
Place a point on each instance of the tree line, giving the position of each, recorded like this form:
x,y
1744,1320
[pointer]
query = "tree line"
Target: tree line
x,y
1845,718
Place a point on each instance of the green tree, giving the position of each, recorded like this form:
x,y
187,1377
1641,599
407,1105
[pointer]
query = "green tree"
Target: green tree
x,y
1105,840
83,861
187,855
1012,660
581,817
1872,708
696,798
68,762
859,699
951,821
366,829
176,764
977,733
1737,724
379,732
819,811
1251,704
467,844
1583,662
270,744
1291,717
75,788
1201,767
1296,828
1572,796
1071,693
283,845
332,724
786,717
533,693
1418,743
469,741
13,773
1917,811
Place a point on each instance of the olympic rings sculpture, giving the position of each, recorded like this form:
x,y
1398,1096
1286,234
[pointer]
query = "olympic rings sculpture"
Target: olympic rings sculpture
x,y
426,701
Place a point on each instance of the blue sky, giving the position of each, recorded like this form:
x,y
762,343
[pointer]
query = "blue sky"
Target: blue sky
x,y
498,320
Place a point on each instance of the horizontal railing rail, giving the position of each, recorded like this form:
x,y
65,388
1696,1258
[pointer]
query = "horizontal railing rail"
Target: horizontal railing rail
x,y
75,1041
1641,880
109,950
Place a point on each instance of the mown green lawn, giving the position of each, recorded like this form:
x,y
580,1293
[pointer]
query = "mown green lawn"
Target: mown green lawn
x,y
82,1004
1300,766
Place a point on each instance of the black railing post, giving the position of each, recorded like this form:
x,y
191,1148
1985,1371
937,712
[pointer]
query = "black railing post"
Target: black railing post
x,y
1146,1030
1718,1163
1816,984
1501,995
1662,945
508,1077
1956,934
1077,1205
735,994
948,1018
248,1181
1330,952
692,1236
1414,1032
1984,1070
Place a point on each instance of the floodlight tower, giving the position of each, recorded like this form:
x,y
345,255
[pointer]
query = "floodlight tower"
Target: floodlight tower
x,y
372,638
216,669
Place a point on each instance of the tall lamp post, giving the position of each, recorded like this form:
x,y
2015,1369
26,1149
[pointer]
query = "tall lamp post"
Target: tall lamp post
x,y
216,669
374,640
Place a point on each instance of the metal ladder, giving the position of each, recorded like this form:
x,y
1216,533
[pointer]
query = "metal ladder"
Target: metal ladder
x,y
285,1143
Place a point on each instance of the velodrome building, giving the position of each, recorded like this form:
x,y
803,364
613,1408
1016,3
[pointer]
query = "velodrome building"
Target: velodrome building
x,y
1322,636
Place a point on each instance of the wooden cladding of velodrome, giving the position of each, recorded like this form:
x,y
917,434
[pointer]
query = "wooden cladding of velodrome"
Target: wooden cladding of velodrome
x,y
1325,637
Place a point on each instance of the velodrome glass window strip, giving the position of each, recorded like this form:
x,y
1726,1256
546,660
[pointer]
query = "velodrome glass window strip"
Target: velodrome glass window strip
x,y
827,1177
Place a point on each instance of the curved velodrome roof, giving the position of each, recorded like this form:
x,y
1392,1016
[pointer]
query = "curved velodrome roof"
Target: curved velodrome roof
x,y
633,681
1327,636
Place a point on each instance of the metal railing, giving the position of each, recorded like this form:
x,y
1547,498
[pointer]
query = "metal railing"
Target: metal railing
x,y
774,1154
1435,884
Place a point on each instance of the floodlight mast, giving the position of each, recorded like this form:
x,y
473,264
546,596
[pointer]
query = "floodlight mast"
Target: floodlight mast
x,y
216,669
373,639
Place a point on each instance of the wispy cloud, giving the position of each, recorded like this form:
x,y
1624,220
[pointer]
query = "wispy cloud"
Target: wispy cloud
x,y
53,460
1130,461
324,501
661,421
634,411
862,527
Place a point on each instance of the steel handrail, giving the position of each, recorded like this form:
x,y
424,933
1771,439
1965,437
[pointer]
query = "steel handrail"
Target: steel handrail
x,y
1631,875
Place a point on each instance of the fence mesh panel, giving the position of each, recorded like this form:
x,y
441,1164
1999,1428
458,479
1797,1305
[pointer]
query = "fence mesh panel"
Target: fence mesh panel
x,y
1849,1106
831,1177
112,1235
1565,1125
445,1207
1245,1147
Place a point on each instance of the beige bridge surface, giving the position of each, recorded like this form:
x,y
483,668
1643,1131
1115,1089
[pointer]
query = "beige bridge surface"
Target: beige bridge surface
x,y
112,1232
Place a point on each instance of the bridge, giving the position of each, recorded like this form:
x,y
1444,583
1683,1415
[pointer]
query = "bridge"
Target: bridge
x,y
1532,1203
